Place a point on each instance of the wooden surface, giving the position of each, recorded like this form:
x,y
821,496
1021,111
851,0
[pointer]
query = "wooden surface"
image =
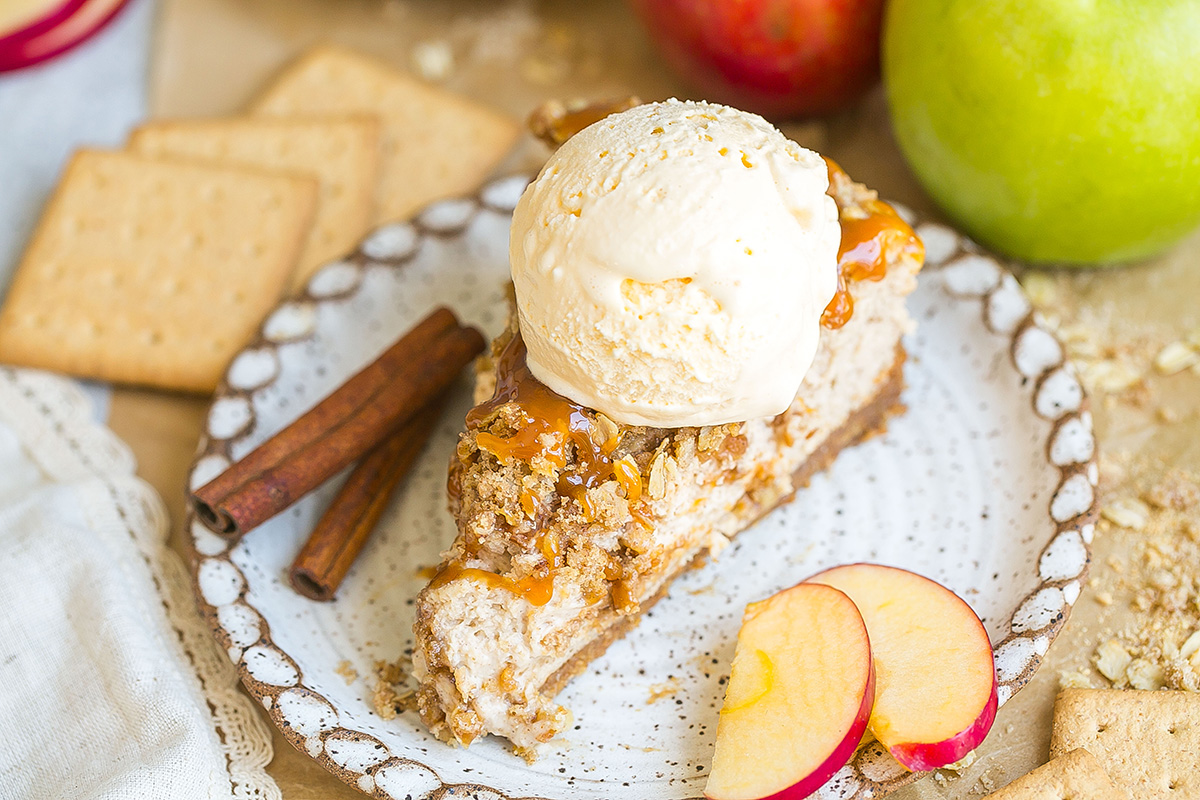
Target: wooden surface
x,y
212,55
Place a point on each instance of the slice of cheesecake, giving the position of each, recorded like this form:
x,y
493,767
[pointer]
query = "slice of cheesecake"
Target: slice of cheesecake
x,y
571,525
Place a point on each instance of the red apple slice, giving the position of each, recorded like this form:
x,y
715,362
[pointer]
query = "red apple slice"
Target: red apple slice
x,y
799,696
26,18
77,24
935,697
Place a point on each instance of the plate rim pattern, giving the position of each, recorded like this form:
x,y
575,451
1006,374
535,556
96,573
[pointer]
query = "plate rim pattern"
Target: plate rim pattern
x,y
967,273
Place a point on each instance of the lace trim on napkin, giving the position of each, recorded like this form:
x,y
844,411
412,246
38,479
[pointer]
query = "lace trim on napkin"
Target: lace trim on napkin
x,y
55,423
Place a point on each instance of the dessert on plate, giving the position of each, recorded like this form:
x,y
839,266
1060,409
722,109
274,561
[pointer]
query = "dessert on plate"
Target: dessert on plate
x,y
704,314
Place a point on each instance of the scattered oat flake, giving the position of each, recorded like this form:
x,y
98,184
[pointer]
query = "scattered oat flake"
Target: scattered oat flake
x,y
1104,598
1127,513
1191,646
1176,357
1110,376
1144,674
1112,659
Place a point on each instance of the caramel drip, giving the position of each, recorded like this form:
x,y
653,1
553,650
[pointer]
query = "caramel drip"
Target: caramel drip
x,y
622,598
537,589
862,255
554,124
547,424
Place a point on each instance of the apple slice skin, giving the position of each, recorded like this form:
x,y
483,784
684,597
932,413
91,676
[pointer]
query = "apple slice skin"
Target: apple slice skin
x,y
925,756
841,753
922,757
49,19
840,756
837,759
85,19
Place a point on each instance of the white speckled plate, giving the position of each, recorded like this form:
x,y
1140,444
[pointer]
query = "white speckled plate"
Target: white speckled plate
x,y
987,484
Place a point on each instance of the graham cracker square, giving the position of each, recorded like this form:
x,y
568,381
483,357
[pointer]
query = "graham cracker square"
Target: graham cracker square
x,y
435,144
342,154
1076,775
153,272
1148,742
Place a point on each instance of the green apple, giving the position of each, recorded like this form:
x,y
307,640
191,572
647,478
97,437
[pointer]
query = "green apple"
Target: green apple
x,y
1064,131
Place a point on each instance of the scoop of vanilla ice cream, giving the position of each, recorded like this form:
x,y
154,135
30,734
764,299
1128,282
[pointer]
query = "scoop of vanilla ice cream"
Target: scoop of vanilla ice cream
x,y
671,263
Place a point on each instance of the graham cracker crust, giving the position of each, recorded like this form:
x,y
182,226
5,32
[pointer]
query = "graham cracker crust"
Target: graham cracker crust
x,y
868,420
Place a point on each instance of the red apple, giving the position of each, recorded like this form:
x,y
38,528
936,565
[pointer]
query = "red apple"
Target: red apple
x,y
799,696
780,58
936,681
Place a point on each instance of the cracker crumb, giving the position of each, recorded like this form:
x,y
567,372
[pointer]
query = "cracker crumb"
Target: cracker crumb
x,y
347,671
1167,414
391,697
1161,649
1110,376
985,780
1127,513
1075,679
1174,491
1175,358
658,691
962,763
433,60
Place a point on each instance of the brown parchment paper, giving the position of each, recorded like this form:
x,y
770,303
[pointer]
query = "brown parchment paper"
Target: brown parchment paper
x,y
212,55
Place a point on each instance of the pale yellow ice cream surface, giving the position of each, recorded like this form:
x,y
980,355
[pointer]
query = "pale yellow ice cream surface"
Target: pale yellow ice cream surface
x,y
671,264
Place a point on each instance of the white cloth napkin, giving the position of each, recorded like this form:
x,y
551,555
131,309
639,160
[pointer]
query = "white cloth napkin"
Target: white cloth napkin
x,y
110,687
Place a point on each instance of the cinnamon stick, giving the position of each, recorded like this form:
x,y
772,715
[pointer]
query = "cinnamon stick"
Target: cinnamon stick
x,y
340,429
346,525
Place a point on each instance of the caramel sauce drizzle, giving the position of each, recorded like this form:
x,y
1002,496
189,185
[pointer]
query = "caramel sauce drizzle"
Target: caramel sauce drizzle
x,y
554,123
863,253
548,424
537,589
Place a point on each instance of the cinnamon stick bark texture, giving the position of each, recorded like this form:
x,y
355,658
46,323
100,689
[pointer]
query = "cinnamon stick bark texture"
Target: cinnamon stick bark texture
x,y
341,428
346,525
